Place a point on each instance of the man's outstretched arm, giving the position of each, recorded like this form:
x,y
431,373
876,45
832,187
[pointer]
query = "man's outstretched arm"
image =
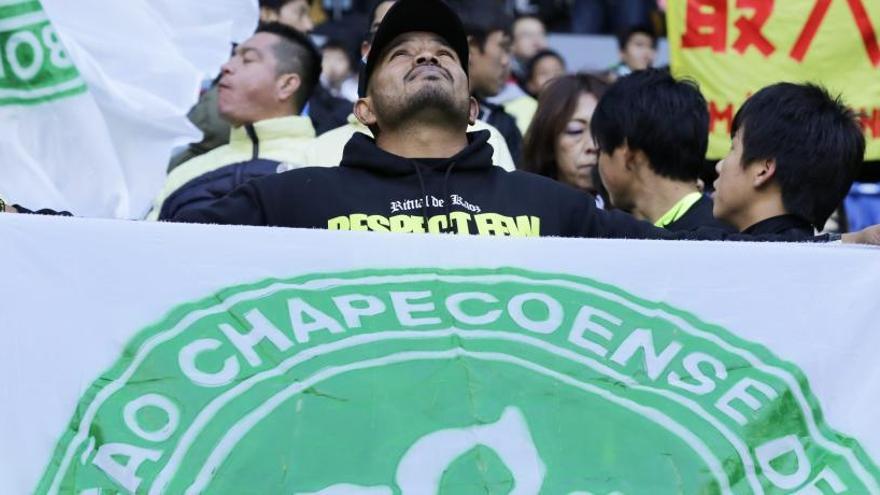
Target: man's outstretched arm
x,y
242,206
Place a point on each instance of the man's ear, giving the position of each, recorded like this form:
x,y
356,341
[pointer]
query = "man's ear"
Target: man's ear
x,y
763,171
630,157
637,160
287,85
473,46
268,15
473,110
363,110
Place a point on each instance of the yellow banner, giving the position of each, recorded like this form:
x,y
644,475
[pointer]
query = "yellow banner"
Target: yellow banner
x,y
733,48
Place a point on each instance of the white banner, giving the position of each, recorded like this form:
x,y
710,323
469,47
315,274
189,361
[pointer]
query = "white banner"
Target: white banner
x,y
94,95
164,358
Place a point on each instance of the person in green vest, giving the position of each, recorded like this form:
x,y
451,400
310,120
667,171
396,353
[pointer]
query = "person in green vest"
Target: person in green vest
x,y
652,133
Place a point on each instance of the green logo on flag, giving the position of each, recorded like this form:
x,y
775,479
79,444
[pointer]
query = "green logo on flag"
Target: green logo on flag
x,y
34,67
456,382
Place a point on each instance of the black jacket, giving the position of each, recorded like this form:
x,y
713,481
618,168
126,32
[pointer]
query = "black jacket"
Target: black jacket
x,y
328,112
209,187
699,215
788,225
495,116
373,190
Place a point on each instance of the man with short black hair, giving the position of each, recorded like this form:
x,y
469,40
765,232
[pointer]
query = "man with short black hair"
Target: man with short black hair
x,y
653,132
262,91
487,27
796,152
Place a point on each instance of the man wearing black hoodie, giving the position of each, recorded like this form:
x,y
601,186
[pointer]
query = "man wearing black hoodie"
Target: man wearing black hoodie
x,y
423,172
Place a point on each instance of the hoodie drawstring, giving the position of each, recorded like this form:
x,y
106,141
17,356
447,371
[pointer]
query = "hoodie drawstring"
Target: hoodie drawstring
x,y
447,201
424,193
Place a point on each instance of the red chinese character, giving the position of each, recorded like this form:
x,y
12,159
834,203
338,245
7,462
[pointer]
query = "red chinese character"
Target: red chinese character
x,y
871,122
706,25
869,36
820,10
750,27
720,115
799,50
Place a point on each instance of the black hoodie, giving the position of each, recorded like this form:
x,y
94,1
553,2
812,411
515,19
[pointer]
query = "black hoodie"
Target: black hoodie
x,y
373,190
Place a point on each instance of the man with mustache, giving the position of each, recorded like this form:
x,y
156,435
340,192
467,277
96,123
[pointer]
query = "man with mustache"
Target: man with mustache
x,y
327,148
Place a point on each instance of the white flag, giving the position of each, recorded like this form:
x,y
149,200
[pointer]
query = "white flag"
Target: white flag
x,y
94,95
142,357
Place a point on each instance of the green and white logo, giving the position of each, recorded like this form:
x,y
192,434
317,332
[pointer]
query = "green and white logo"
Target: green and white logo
x,y
457,382
34,67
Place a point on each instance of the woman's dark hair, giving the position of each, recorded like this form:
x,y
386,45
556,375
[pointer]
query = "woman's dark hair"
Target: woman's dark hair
x,y
556,106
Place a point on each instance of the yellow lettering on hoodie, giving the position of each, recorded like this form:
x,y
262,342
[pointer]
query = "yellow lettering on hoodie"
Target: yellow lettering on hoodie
x,y
359,222
461,220
377,223
490,224
339,223
437,224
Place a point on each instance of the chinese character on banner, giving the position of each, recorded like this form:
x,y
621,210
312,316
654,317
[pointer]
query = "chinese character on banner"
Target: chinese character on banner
x,y
817,16
750,28
707,26
733,48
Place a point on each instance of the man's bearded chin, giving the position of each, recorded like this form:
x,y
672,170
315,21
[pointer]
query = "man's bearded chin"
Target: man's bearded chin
x,y
433,104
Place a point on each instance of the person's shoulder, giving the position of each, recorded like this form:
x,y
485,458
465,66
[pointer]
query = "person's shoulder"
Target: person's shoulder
x,y
326,149
343,132
300,177
501,153
544,185
201,164
523,103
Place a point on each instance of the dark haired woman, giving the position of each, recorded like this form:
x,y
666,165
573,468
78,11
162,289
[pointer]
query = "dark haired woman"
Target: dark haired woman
x,y
558,143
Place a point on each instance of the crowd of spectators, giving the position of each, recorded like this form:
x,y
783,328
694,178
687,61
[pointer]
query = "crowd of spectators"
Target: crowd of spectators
x,y
630,139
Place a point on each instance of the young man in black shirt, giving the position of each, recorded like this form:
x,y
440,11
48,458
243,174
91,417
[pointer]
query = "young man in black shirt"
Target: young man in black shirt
x,y
796,151
652,132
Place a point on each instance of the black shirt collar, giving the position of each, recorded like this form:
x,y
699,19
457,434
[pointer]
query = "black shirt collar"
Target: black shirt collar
x,y
781,224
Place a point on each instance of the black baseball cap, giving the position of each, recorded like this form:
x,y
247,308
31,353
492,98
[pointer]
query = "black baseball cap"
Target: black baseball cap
x,y
406,16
